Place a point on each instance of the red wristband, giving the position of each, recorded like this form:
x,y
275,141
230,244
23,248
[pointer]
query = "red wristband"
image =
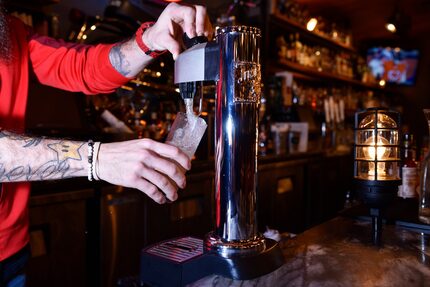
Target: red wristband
x,y
142,45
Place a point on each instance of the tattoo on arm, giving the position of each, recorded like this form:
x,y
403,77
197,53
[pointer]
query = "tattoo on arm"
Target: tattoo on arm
x,y
66,150
118,59
49,170
27,141
59,168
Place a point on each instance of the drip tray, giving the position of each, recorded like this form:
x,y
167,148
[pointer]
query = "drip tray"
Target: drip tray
x,y
180,261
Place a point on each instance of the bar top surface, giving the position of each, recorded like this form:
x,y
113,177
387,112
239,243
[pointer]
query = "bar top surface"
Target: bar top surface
x,y
339,252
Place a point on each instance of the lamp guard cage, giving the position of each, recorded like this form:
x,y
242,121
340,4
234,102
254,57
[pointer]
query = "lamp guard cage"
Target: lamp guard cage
x,y
359,116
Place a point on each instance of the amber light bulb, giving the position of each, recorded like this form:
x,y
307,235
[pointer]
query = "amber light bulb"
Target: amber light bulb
x,y
376,151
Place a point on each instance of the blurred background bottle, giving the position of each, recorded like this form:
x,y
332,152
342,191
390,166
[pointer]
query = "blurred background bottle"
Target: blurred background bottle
x,y
410,177
424,190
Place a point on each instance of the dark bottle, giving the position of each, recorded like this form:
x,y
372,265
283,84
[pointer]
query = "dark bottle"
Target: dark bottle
x,y
299,51
263,134
292,53
265,145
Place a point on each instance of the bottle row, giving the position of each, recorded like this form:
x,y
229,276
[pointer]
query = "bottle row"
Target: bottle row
x,y
291,48
338,32
330,103
328,110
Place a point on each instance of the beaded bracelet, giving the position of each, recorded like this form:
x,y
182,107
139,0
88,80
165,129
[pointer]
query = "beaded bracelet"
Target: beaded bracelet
x,y
90,160
93,150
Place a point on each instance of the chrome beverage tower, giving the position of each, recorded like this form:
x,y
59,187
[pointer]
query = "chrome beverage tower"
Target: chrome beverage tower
x,y
236,129
233,62
235,249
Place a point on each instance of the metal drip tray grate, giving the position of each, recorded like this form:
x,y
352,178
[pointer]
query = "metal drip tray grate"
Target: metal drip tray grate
x,y
178,250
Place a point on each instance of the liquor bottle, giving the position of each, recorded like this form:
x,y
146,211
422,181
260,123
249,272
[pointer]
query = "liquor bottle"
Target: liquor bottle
x,y
264,123
410,178
283,47
298,46
264,135
292,55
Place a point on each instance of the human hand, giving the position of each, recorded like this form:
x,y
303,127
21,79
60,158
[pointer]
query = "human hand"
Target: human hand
x,y
155,168
176,19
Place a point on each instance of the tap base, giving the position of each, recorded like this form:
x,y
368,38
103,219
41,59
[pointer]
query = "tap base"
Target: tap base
x,y
165,269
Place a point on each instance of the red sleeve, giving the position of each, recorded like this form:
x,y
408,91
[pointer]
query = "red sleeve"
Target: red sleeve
x,y
74,67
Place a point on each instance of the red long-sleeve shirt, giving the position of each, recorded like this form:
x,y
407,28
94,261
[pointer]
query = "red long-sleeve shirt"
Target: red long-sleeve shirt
x,y
68,66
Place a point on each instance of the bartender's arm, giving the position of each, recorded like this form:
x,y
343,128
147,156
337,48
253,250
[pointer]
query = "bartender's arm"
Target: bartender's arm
x,y
129,59
96,69
155,168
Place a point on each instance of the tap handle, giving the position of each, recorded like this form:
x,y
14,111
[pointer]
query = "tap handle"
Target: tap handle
x,y
189,42
188,89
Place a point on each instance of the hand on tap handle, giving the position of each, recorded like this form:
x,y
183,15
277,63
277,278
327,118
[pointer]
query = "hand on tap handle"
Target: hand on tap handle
x,y
173,22
189,42
131,56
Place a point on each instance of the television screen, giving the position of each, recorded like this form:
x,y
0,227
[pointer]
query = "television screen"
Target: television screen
x,y
394,65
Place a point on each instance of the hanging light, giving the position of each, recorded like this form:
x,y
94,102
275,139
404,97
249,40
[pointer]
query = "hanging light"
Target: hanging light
x,y
312,23
398,22
391,27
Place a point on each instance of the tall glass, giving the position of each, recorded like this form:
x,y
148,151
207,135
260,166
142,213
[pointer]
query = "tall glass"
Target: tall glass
x,y
424,203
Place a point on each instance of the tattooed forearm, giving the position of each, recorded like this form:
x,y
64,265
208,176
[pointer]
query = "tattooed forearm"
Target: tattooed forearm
x,y
32,142
47,159
119,60
26,141
128,58
50,170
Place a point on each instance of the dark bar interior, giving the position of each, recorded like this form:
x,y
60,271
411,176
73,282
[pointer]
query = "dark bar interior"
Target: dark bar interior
x,y
313,169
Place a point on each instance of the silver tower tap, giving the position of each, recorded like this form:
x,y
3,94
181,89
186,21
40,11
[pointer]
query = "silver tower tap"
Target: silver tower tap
x,y
233,61
234,249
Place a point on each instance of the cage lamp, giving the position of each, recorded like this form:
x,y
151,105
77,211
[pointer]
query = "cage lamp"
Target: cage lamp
x,y
377,161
